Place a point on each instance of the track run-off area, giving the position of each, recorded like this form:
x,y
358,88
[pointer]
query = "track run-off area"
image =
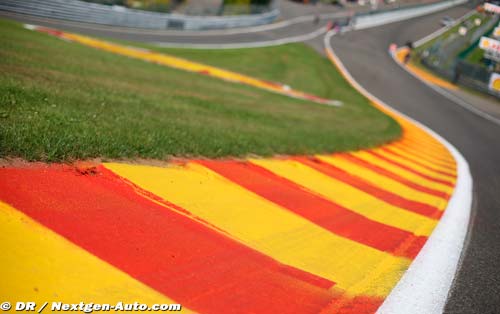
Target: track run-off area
x,y
328,233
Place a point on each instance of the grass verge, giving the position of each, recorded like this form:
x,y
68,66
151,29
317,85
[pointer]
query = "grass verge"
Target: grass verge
x,y
61,101
297,65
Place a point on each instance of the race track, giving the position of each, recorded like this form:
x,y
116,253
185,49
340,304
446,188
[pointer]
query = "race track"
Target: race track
x,y
364,53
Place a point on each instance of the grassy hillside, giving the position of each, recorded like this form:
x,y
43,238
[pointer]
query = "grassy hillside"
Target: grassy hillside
x,y
61,101
297,65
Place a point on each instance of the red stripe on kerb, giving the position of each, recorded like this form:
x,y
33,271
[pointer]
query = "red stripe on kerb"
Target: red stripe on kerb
x,y
359,183
314,98
415,161
409,169
50,31
318,210
194,265
436,160
355,305
393,176
273,84
425,154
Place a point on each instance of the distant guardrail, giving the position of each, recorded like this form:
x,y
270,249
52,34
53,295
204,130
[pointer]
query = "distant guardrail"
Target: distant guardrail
x,y
80,11
376,18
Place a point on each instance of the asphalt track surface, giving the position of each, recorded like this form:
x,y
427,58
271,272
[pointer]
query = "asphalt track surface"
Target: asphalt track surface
x,y
296,25
364,53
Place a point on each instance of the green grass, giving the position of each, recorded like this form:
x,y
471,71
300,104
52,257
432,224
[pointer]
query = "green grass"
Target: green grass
x,y
297,65
475,56
62,101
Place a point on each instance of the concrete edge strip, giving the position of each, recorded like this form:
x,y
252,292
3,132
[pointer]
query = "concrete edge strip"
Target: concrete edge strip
x,y
425,285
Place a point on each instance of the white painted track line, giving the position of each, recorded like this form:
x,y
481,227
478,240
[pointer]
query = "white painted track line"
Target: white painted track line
x,y
253,44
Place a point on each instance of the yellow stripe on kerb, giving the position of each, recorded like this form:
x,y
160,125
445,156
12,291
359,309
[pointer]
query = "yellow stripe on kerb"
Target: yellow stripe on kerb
x,y
428,148
384,182
40,265
424,154
402,172
416,167
187,65
269,228
436,165
349,197
431,78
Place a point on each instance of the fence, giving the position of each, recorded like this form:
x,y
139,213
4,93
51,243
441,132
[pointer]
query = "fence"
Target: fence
x,y
80,11
443,58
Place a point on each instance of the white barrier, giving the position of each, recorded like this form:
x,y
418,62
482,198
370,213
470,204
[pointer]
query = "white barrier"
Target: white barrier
x,y
80,11
381,18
